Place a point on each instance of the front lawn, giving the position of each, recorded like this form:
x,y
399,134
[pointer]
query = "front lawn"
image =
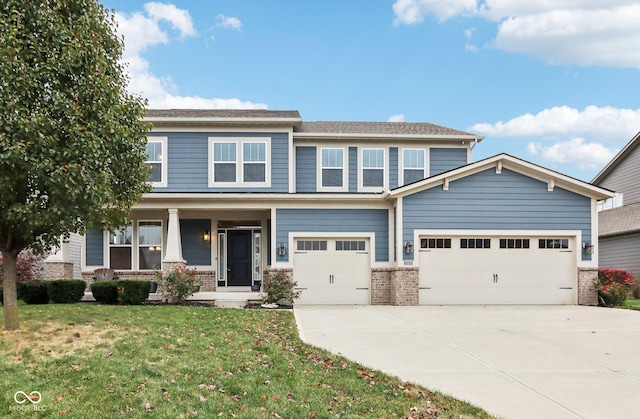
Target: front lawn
x,y
633,303
176,361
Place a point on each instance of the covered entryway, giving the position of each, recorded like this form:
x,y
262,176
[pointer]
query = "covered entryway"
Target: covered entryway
x,y
490,269
239,257
332,270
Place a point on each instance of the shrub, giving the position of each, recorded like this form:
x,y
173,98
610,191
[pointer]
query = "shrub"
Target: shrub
x,y
279,288
105,292
66,290
28,268
613,286
178,284
132,291
34,292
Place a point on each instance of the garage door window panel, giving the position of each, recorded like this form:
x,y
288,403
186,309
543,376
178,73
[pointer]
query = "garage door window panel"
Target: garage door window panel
x,y
312,245
514,243
475,243
553,243
350,245
435,243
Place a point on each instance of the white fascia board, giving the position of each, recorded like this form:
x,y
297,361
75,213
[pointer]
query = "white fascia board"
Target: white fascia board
x,y
369,136
268,121
512,163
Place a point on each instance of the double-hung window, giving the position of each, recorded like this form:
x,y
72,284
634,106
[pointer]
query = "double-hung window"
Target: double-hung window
x,y
332,170
149,245
239,162
120,248
413,165
373,173
156,161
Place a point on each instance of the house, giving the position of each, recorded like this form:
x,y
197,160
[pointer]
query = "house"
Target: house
x,y
619,217
356,212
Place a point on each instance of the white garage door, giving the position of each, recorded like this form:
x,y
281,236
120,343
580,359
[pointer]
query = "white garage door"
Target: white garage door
x,y
332,271
497,270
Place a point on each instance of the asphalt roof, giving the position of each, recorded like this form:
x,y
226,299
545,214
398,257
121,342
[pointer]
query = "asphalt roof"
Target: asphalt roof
x,y
619,220
387,128
221,113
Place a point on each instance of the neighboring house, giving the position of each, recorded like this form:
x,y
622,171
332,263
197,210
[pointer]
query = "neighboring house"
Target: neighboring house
x,y
357,212
619,217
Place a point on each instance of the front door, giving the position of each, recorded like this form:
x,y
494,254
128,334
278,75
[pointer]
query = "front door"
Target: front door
x,y
239,258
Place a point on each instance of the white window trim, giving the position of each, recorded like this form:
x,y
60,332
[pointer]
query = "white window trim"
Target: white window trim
x,y
402,168
361,168
132,246
240,183
345,170
135,246
165,166
136,236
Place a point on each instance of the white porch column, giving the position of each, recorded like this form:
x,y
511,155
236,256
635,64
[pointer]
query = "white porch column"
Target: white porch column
x,y
173,252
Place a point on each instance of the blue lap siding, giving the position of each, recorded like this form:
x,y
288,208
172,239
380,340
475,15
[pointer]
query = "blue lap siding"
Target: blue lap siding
x,y
194,249
490,201
335,221
94,248
444,159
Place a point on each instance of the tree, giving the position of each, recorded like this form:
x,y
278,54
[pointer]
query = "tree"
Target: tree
x,y
72,140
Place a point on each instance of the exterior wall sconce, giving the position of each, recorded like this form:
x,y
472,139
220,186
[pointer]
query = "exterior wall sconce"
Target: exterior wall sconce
x,y
206,236
588,247
282,249
408,248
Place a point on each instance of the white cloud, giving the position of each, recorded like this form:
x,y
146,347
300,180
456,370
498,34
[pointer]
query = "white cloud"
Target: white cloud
x,y
593,123
582,32
576,152
413,11
228,22
142,31
396,118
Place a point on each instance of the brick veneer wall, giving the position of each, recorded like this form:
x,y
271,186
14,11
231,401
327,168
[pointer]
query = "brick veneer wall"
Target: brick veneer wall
x,y
208,278
381,286
587,294
58,270
404,286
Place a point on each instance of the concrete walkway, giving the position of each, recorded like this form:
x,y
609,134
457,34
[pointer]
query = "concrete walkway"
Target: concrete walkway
x,y
513,361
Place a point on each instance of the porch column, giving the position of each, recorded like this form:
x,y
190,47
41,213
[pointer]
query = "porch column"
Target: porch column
x,y
173,252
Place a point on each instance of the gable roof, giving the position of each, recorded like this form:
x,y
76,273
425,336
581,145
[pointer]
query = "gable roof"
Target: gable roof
x,y
631,145
344,129
625,219
500,161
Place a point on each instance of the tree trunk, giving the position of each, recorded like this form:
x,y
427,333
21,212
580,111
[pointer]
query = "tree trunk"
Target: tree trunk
x,y
9,289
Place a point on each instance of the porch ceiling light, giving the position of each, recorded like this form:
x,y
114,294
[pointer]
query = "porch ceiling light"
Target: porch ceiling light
x,y
206,236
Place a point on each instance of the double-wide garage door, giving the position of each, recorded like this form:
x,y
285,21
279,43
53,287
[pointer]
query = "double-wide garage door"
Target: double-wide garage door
x,y
497,270
332,270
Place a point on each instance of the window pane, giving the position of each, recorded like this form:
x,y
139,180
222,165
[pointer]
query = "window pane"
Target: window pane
x,y
254,172
413,176
332,177
224,152
373,158
121,237
120,258
332,157
154,150
372,177
150,232
224,172
254,152
156,172
413,159
149,258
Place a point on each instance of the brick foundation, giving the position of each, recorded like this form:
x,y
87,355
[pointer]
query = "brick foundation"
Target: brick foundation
x,y
587,294
58,270
208,278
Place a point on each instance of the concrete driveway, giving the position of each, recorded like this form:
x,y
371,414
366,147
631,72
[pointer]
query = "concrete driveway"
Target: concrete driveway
x,y
513,361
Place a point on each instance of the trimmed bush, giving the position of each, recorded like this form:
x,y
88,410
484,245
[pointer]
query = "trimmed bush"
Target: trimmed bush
x,y
133,292
34,292
614,286
65,291
105,292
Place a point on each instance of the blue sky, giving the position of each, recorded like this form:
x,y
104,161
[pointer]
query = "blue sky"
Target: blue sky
x,y
553,82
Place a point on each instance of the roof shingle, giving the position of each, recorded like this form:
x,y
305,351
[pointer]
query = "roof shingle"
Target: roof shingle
x,y
619,220
221,113
385,128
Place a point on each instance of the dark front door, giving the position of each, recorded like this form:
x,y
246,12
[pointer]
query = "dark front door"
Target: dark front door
x,y
239,258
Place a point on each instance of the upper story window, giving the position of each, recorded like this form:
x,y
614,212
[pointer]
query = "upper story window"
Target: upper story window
x,y
239,162
156,160
372,169
413,165
333,173
614,202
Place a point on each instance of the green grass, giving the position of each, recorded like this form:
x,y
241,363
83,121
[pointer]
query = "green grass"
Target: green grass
x,y
633,304
169,361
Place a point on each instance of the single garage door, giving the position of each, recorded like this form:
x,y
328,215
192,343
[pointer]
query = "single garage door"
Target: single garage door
x,y
332,271
497,270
